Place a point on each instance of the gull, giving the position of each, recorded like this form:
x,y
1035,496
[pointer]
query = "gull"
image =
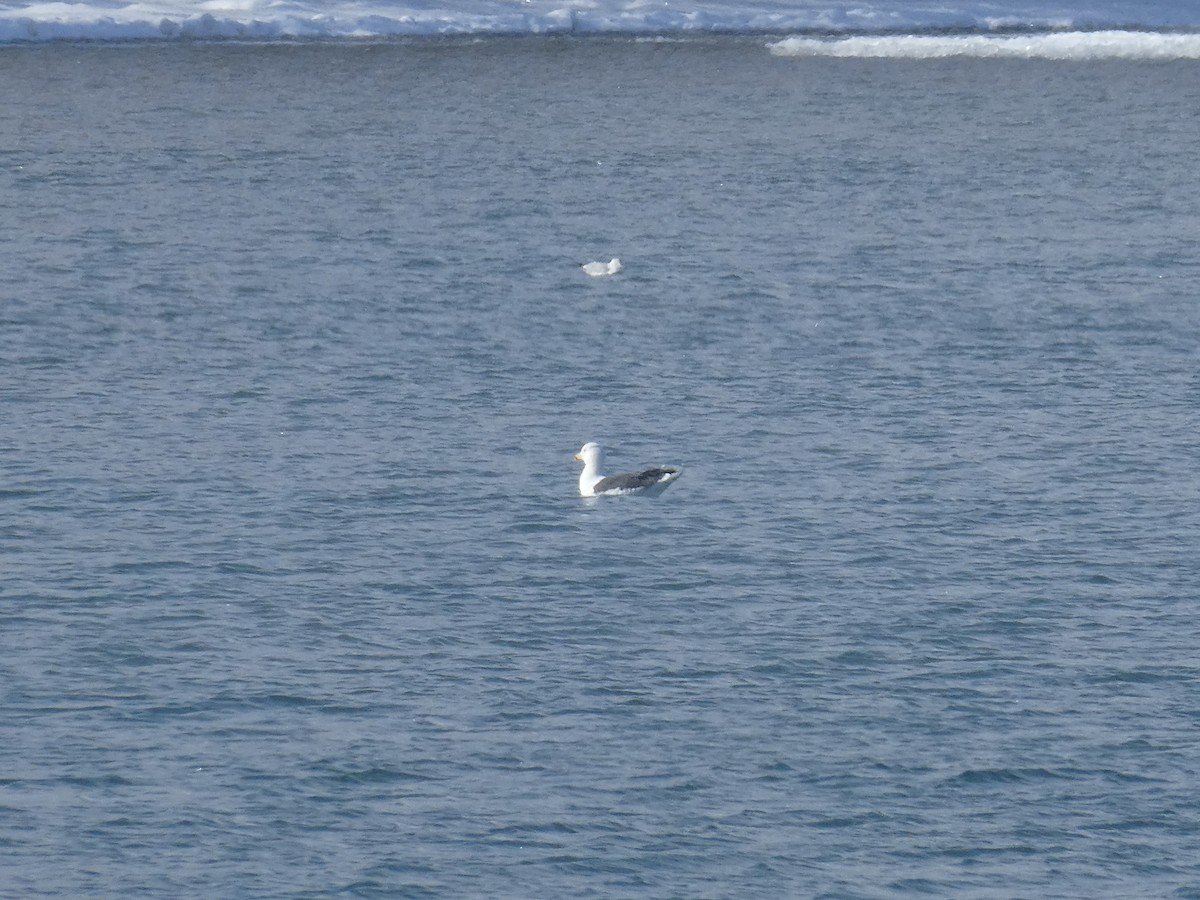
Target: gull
x,y
649,482
598,269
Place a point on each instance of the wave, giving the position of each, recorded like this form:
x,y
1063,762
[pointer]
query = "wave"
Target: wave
x,y
1072,45
873,27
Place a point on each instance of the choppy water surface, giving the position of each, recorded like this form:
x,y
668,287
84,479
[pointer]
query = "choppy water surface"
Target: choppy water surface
x,y
298,598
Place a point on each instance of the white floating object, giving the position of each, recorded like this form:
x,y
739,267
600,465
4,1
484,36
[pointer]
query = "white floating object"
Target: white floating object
x,y
596,269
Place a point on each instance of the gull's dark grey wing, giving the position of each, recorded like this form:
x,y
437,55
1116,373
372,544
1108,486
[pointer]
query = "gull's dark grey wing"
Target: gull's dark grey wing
x,y
633,481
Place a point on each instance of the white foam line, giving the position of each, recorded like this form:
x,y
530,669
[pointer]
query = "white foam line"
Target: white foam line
x,y
1070,45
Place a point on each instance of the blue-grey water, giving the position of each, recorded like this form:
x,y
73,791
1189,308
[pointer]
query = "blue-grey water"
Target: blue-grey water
x,y
297,595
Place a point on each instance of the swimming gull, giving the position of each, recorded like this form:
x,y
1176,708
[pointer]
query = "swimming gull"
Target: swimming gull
x,y
597,269
592,483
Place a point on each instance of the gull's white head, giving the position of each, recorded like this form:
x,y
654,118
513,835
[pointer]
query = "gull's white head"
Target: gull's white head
x,y
591,455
